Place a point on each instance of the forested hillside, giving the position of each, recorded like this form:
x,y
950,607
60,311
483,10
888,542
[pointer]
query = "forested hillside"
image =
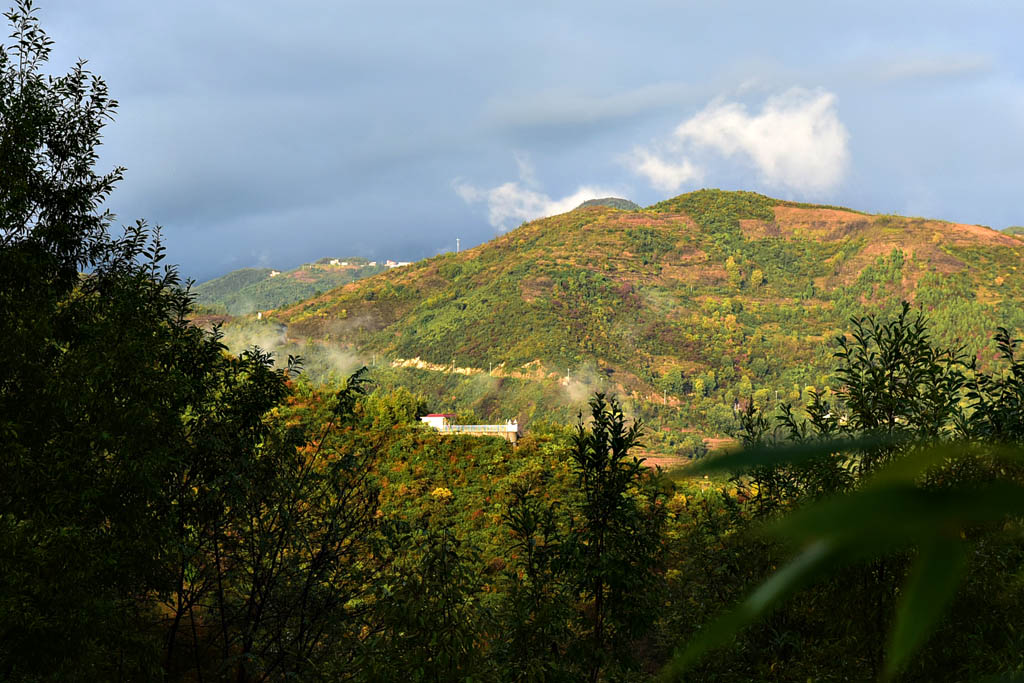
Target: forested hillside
x,y
688,308
248,290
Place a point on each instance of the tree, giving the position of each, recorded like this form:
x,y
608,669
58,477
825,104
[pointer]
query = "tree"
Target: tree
x,y
894,380
273,557
49,191
129,433
615,535
536,614
757,278
65,401
430,623
733,273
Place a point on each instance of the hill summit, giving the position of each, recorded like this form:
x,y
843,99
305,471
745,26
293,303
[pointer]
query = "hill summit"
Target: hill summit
x,y
611,202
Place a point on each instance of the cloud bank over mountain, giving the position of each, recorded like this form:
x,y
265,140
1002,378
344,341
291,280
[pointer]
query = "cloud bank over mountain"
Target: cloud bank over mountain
x,y
512,203
796,141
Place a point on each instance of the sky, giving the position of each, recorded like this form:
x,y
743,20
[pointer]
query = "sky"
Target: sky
x,y
271,134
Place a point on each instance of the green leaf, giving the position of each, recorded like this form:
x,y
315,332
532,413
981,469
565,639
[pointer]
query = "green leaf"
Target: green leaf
x,y
928,591
787,454
780,585
918,455
879,518
892,514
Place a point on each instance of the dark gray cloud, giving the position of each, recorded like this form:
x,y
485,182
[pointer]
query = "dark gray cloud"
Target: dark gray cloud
x,y
270,133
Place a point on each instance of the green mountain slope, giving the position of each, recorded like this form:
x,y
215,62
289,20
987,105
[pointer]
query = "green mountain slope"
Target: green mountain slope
x,y
255,289
687,308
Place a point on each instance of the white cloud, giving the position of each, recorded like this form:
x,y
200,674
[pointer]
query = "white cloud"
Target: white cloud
x,y
795,141
512,203
665,175
527,173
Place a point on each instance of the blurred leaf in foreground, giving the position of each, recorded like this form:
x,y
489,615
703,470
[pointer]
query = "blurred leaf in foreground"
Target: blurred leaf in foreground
x,y
890,512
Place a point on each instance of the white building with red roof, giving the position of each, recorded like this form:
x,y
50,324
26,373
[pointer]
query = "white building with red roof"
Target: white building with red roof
x,y
438,420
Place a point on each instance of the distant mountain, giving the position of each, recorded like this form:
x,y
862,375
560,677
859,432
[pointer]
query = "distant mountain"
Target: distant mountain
x,y
687,308
258,289
610,202
1014,230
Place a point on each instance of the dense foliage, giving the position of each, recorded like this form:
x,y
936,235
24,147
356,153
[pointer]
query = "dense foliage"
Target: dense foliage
x,y
171,510
926,450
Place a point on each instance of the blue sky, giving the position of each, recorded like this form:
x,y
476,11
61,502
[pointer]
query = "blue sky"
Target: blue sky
x,y
261,133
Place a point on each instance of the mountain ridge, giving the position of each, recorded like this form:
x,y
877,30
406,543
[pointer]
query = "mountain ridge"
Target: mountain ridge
x,y
248,290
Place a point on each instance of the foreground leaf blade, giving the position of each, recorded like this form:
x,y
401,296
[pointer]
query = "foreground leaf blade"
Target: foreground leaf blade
x,y
928,591
780,585
790,453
